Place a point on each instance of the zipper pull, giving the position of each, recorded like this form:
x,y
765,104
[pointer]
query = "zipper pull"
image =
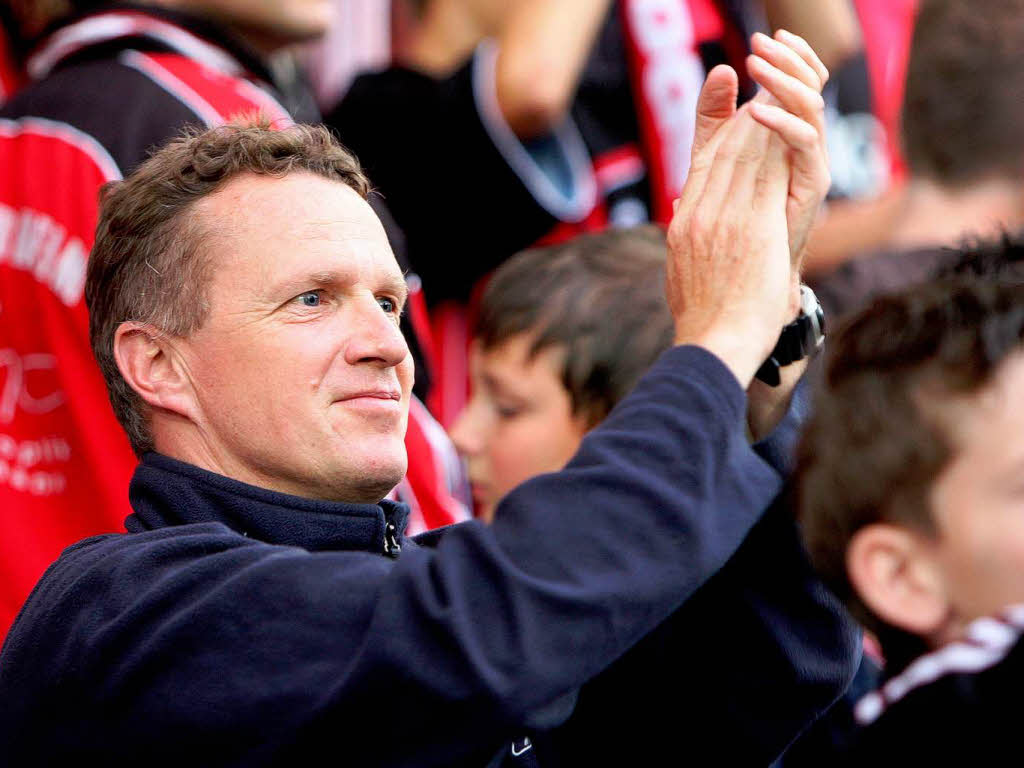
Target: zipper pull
x,y
391,546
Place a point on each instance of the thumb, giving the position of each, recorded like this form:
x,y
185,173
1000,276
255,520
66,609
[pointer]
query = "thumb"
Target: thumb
x,y
716,104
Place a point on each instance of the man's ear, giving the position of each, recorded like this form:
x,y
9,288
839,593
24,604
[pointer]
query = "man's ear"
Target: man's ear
x,y
150,365
896,577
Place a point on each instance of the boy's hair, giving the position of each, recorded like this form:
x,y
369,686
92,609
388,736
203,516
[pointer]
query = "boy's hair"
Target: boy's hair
x,y
600,297
149,262
877,439
963,106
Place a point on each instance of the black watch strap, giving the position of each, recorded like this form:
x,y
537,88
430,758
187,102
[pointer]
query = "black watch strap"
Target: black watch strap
x,y
800,339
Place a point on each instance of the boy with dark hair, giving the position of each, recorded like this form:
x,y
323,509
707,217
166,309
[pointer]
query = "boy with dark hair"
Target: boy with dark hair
x,y
910,497
564,333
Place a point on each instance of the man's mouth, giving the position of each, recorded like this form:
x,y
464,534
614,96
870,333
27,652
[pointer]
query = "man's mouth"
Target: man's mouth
x,y
373,401
373,394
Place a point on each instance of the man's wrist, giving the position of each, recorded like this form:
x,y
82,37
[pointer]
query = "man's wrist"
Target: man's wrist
x,y
798,340
732,349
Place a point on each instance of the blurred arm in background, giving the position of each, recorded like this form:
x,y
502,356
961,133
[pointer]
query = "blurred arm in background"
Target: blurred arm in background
x,y
542,47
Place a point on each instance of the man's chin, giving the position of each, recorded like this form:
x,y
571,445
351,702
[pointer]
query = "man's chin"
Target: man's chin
x,y
373,478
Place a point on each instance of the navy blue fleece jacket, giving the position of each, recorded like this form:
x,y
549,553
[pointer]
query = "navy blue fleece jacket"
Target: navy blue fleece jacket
x,y
237,626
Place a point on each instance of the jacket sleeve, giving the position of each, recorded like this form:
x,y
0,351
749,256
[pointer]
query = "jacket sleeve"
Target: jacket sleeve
x,y
247,651
760,652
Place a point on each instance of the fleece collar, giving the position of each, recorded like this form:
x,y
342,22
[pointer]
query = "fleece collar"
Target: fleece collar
x,y
166,492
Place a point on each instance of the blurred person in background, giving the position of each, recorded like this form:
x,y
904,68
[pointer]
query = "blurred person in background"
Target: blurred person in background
x,y
358,39
962,118
108,84
854,226
564,333
909,494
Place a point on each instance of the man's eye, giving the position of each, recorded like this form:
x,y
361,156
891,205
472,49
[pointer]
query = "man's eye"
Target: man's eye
x,y
310,298
388,305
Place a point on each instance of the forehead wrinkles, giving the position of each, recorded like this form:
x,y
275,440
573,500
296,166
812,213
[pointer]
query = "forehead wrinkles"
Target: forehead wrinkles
x,y
268,216
300,197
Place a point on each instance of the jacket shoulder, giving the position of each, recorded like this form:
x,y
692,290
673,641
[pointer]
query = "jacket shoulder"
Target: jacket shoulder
x,y
122,108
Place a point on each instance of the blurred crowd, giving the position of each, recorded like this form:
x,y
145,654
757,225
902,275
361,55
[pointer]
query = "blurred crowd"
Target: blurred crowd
x,y
526,159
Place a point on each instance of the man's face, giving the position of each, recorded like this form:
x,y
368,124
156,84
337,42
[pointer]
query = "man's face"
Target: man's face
x,y
978,500
519,422
267,24
300,373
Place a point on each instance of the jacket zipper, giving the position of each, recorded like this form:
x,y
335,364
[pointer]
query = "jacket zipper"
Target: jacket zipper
x,y
391,546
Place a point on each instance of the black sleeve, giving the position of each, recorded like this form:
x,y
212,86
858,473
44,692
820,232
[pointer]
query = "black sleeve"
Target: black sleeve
x,y
738,672
466,193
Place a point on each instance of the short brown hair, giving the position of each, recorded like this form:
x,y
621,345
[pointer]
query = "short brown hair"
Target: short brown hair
x,y
963,107
601,297
148,263
877,440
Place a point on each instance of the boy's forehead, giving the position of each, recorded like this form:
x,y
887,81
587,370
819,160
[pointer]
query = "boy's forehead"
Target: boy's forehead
x,y
987,420
985,433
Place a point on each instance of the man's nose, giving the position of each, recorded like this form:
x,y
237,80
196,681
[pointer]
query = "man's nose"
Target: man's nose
x,y
375,337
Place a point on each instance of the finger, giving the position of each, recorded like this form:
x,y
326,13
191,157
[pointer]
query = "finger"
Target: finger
x,y
810,171
804,51
701,162
715,105
798,134
736,166
810,175
791,93
771,187
786,59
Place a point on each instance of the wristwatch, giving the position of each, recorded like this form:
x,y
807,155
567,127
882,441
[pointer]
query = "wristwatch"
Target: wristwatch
x,y
798,340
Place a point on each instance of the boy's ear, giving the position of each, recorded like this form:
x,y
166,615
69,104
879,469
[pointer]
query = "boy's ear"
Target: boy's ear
x,y
148,362
895,576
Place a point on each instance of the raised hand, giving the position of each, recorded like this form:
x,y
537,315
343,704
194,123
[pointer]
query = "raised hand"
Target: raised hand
x,y
735,243
792,77
729,268
791,105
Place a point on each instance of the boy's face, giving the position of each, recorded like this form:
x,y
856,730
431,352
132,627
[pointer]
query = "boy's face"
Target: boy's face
x,y
519,421
978,500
